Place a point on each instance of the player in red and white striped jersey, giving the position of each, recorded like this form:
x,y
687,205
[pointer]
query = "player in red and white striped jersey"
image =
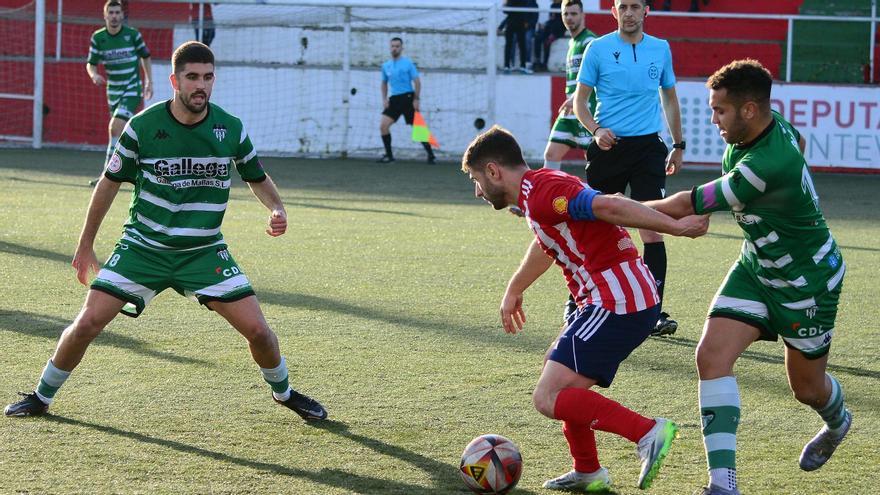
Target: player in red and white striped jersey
x,y
580,229
601,264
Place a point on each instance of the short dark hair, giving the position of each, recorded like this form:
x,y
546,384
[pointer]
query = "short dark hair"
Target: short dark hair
x,y
112,3
397,38
495,145
745,80
191,52
569,3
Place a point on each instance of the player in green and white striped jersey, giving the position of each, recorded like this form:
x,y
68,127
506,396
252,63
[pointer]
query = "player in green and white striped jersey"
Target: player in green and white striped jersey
x,y
180,155
121,49
567,131
787,280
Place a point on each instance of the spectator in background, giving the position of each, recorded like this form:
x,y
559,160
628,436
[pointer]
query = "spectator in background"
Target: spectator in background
x,y
514,27
547,33
207,22
531,27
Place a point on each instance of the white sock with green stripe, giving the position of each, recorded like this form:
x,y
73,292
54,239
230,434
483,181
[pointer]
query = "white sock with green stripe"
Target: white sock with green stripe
x,y
833,412
277,379
720,410
553,165
50,381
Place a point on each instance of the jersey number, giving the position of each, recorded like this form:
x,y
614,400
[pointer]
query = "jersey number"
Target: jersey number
x,y
113,260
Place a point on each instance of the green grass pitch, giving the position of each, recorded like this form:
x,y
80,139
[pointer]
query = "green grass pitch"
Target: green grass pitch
x,y
384,294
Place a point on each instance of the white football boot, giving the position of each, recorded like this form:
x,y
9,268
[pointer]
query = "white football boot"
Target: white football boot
x,y
599,481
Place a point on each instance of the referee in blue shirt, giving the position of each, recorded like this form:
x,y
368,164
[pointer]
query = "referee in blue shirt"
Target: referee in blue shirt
x,y
632,75
401,75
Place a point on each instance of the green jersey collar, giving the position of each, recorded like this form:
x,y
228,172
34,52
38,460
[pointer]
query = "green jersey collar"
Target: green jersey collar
x,y
764,133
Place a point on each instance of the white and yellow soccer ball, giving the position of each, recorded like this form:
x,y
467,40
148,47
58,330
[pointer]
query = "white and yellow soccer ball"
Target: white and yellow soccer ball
x,y
491,464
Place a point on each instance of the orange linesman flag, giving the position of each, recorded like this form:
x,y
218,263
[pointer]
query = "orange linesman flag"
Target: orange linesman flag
x,y
421,133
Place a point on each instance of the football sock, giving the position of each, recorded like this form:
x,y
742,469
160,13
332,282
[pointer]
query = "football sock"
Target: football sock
x,y
582,445
111,147
427,147
833,413
655,258
553,165
386,140
723,477
277,379
50,381
720,411
580,405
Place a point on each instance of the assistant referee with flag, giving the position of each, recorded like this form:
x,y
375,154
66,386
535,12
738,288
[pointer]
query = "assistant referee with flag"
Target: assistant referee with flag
x,y
401,75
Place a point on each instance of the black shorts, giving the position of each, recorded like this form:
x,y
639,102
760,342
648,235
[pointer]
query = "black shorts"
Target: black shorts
x,y
638,162
401,104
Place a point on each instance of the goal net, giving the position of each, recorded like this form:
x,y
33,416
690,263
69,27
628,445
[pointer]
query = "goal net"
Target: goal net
x,y
305,79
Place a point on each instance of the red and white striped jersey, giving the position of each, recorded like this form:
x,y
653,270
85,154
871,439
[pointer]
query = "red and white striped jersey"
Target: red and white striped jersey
x,y
601,264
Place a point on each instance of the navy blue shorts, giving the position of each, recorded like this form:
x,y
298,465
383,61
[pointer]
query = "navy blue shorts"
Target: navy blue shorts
x,y
596,340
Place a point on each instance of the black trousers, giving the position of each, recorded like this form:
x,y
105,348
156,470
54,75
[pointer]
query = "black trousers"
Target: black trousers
x,y
637,162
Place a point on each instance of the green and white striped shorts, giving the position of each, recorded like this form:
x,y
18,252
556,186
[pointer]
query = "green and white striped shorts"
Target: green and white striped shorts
x,y
568,130
137,274
807,329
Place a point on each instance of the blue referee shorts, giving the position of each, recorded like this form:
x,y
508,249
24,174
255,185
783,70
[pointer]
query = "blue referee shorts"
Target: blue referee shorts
x,y
596,340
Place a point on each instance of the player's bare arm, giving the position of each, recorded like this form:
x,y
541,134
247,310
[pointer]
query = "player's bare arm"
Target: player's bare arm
x,y
85,259
605,138
385,94
672,111
267,193
147,65
628,213
96,78
676,206
534,264
802,144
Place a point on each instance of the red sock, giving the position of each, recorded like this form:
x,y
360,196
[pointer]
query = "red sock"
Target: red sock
x,y
580,405
582,445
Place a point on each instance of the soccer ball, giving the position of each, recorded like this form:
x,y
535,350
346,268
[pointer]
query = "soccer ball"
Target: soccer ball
x,y
491,464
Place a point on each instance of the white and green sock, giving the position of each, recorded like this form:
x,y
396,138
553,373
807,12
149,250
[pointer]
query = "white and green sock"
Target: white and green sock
x,y
833,412
50,381
277,379
720,410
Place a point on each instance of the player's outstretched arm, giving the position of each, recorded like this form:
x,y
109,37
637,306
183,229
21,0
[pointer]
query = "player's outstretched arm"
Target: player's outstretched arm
x,y
533,265
628,213
676,206
85,259
267,193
